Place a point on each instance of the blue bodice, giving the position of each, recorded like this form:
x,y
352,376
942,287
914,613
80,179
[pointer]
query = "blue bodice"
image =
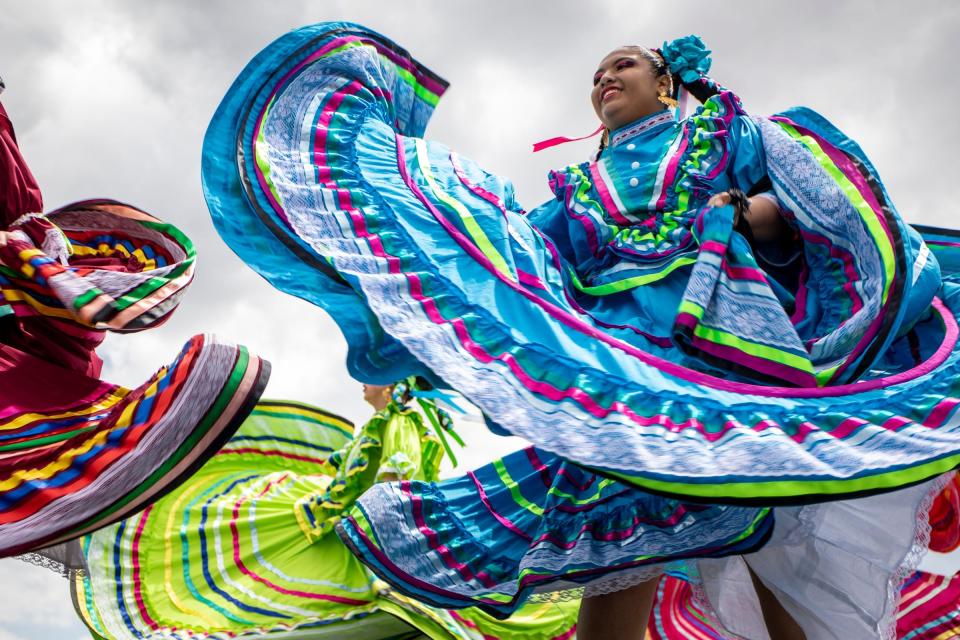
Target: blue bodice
x,y
625,219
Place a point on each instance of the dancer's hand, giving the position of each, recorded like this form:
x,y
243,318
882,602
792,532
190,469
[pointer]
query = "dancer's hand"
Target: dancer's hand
x,y
725,198
721,199
762,214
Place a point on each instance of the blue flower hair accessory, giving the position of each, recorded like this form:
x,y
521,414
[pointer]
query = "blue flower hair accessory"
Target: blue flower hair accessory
x,y
687,57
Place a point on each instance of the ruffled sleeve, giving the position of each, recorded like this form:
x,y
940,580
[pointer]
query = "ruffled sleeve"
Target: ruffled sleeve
x,y
392,445
689,59
748,164
573,221
722,116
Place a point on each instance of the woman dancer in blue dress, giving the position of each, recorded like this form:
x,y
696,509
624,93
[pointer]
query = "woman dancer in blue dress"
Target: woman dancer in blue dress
x,y
631,325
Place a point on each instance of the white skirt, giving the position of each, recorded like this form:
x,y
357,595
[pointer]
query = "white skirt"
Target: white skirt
x,y
835,567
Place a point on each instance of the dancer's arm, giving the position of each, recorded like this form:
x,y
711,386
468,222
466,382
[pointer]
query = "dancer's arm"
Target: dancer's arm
x,y
19,191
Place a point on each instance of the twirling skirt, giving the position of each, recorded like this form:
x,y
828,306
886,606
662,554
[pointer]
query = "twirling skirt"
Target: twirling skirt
x,y
76,452
315,175
532,522
223,556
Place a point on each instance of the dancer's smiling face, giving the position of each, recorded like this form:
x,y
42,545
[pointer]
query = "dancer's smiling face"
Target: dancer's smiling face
x,y
626,87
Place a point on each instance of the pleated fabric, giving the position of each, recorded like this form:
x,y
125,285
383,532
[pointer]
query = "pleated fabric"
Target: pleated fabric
x,y
316,175
231,554
77,452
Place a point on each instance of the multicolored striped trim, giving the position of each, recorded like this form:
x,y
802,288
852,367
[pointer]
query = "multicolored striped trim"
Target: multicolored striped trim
x,y
113,451
545,524
159,265
611,404
929,609
222,558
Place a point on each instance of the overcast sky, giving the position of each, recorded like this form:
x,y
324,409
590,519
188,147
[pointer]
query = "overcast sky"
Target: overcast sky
x,y
111,99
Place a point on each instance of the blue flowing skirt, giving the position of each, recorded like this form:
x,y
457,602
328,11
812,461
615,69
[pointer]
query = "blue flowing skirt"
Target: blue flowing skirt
x,y
533,522
315,174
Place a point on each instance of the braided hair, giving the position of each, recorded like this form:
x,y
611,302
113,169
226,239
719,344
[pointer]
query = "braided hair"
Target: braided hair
x,y
699,89
406,390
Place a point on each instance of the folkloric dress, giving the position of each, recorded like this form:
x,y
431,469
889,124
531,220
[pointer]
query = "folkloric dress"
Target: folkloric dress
x,y
624,326
247,547
76,452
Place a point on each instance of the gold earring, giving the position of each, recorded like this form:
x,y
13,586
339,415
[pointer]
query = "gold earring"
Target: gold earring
x,y
667,100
